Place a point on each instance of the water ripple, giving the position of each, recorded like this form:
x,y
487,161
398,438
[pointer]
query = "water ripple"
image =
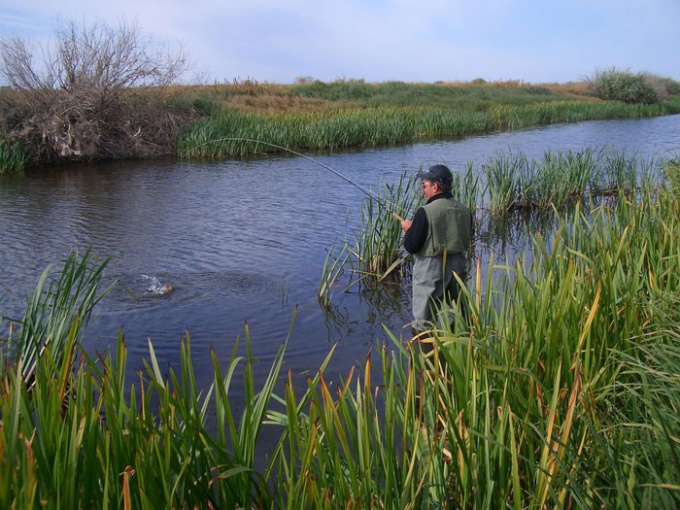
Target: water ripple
x,y
241,241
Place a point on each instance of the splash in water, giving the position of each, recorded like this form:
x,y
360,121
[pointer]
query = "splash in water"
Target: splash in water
x,y
155,287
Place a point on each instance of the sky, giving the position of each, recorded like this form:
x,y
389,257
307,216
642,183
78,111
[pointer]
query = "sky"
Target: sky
x,y
283,41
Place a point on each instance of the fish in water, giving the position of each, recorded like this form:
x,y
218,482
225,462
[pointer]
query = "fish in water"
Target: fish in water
x,y
155,287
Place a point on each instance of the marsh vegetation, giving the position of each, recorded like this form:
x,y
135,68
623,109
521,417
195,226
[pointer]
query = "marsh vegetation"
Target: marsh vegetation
x,y
387,114
506,188
562,392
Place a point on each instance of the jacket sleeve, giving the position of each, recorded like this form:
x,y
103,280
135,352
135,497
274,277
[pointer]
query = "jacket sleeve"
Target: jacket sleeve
x,y
414,238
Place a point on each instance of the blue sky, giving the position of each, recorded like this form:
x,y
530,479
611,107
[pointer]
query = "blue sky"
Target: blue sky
x,y
278,41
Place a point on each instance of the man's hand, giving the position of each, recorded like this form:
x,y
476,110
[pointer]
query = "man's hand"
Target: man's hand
x,y
405,224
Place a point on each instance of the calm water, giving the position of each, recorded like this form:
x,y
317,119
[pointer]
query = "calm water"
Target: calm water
x,y
243,241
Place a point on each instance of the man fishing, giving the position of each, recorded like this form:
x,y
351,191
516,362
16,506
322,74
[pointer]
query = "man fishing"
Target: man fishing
x,y
438,237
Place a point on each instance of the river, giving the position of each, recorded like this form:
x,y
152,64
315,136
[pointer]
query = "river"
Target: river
x,y
243,241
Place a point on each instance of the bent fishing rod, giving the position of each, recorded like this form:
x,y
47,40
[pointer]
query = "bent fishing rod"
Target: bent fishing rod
x,y
382,201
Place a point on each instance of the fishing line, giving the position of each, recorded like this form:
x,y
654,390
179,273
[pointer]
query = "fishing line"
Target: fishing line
x,y
382,201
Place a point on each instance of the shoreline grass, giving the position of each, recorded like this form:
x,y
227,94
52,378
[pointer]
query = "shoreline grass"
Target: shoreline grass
x,y
320,116
202,121
216,121
231,133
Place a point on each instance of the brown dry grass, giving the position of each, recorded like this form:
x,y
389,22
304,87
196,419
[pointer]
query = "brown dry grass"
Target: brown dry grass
x,y
261,97
581,89
272,97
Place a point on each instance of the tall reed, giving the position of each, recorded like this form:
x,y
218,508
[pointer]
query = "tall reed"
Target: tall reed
x,y
378,242
376,252
149,445
561,394
514,181
59,309
334,267
361,115
528,412
12,158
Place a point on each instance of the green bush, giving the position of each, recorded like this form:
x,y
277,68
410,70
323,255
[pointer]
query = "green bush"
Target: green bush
x,y
616,85
338,90
674,87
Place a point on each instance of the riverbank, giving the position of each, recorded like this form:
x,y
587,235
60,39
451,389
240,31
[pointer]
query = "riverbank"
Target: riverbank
x,y
249,118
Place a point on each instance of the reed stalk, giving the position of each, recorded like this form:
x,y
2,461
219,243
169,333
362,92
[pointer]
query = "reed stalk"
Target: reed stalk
x,y
332,271
60,307
513,182
376,254
12,158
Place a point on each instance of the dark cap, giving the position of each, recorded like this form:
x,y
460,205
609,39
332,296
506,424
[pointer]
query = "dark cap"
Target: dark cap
x,y
436,173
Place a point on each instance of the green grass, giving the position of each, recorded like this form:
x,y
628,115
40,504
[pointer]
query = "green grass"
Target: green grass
x,y
57,313
352,113
220,121
76,433
512,181
229,133
12,158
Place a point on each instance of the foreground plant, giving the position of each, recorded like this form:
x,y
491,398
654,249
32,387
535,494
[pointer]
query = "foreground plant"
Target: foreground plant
x,y
57,313
77,432
562,393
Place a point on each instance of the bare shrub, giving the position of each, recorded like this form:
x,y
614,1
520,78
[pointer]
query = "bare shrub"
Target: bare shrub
x,y
663,86
303,80
95,93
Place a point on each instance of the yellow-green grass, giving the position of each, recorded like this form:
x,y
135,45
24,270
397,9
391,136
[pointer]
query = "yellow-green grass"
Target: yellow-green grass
x,y
227,134
352,113
513,181
375,256
314,115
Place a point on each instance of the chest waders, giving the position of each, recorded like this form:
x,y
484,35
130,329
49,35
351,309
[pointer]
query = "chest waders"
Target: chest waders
x,y
444,253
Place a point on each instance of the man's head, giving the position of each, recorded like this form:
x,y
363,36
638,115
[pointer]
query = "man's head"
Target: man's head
x,y
436,180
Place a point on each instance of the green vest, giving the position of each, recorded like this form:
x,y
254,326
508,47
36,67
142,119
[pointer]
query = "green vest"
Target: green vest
x,y
449,228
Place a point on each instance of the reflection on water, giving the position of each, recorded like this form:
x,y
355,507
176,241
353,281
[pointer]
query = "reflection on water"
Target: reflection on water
x,y
511,233
387,303
245,241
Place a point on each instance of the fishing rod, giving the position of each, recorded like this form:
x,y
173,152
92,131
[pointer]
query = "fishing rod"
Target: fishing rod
x,y
382,201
